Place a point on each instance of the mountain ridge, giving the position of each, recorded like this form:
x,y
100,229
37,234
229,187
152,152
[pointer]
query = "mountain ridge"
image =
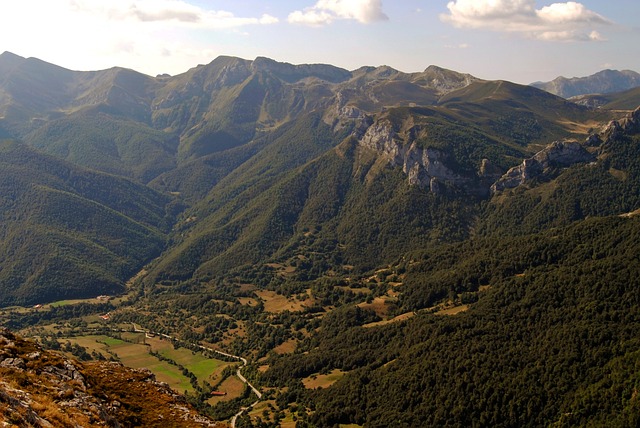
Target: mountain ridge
x,y
602,82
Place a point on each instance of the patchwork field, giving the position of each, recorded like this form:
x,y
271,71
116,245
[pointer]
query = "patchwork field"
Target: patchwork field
x,y
136,356
205,369
133,351
232,386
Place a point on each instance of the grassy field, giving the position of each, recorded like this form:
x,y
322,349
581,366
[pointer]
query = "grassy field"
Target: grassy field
x,y
286,347
453,311
205,369
400,317
232,386
136,355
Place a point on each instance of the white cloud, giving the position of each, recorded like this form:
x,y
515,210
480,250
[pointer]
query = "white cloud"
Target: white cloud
x,y
324,12
460,46
569,21
168,12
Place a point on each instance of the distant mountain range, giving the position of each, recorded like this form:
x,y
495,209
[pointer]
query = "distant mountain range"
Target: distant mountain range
x,y
603,82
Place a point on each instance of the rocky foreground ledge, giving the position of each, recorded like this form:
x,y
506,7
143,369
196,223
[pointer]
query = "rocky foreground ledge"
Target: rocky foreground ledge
x,y
41,388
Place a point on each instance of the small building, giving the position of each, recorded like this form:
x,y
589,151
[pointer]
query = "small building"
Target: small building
x,y
218,393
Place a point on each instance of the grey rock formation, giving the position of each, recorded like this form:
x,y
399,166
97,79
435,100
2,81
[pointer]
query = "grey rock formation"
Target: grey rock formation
x,y
564,153
425,167
558,154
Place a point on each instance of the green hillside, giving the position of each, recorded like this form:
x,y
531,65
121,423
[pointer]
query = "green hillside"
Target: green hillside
x,y
99,140
69,232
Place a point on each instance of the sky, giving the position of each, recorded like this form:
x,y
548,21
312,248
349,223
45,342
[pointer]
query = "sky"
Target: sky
x,y
518,40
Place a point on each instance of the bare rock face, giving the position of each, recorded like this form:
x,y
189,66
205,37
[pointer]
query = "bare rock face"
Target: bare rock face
x,y
559,154
425,167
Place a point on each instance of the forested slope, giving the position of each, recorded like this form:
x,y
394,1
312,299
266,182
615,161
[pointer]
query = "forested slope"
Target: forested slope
x,y
549,338
70,232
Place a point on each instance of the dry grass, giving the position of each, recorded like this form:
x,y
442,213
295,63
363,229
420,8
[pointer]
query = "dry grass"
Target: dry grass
x,y
323,381
232,386
631,214
378,305
248,301
453,311
287,347
618,174
39,393
275,303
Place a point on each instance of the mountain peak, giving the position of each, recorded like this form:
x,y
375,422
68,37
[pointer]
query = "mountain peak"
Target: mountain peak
x,y
8,61
444,80
10,56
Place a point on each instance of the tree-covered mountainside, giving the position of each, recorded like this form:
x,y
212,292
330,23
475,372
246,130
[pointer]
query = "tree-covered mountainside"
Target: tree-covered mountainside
x,y
549,335
68,232
384,248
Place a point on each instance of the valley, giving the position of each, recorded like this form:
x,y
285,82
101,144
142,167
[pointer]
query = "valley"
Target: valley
x,y
291,245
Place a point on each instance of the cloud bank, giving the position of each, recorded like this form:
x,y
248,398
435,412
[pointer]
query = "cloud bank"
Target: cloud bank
x,y
324,12
570,21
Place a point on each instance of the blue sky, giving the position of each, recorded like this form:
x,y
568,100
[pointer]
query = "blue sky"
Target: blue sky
x,y
517,40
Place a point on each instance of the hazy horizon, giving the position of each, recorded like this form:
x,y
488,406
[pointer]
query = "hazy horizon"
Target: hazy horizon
x,y
518,40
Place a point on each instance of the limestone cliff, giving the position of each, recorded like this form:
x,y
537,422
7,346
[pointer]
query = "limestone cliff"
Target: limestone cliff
x,y
424,166
558,154
562,154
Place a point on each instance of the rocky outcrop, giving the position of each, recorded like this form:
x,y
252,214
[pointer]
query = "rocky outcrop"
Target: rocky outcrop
x,y
425,167
628,125
41,388
559,154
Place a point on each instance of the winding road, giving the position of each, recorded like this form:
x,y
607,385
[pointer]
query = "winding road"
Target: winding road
x,y
139,329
